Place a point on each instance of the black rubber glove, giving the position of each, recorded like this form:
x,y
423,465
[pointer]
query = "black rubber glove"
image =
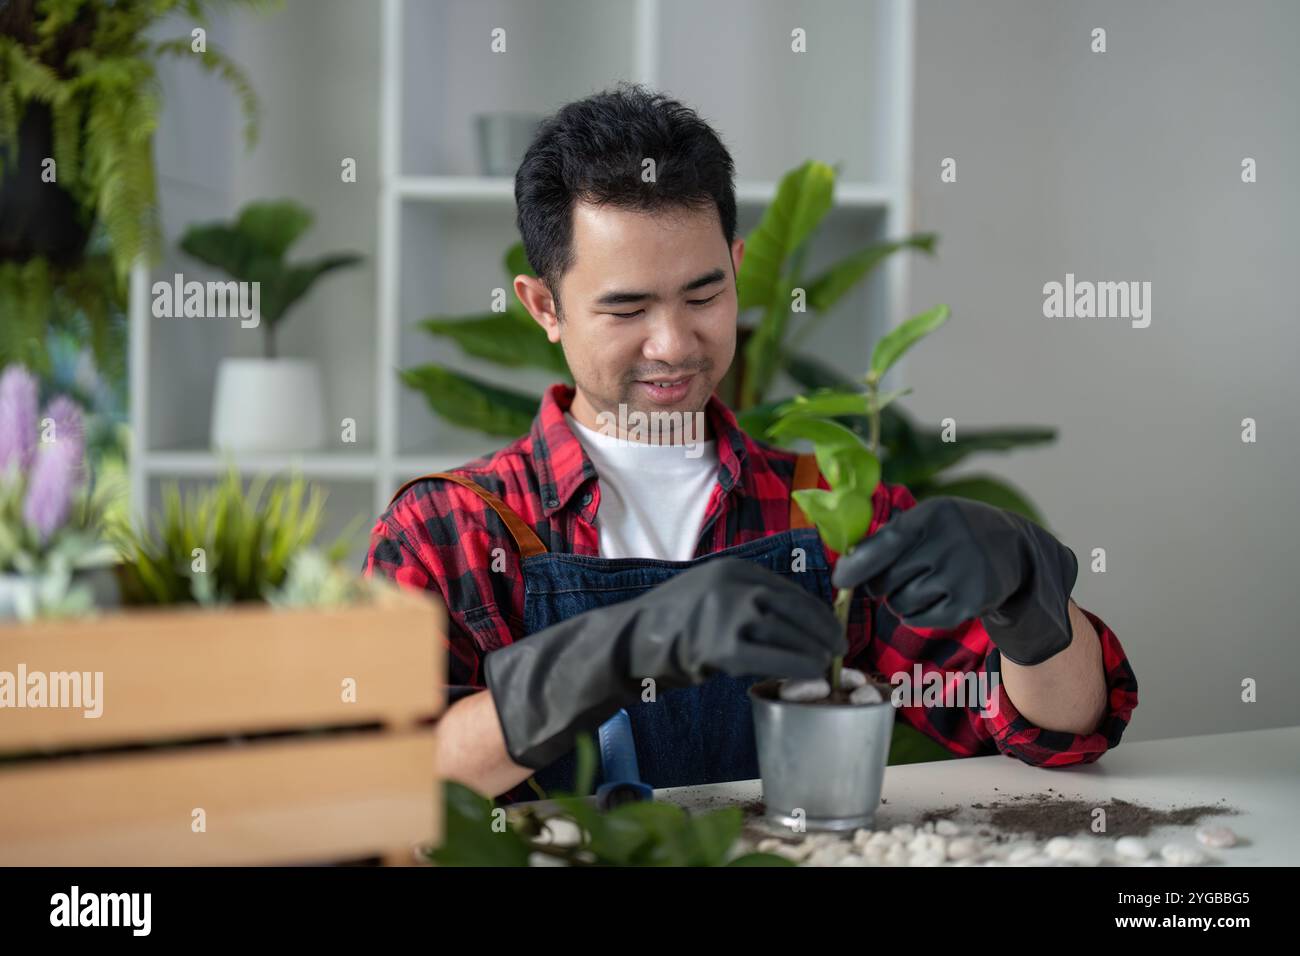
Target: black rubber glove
x,y
725,615
949,560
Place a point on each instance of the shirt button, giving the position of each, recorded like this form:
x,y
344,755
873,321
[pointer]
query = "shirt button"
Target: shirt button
x,y
586,499
552,502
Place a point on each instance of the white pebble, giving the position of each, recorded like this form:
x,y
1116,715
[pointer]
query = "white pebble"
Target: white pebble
x,y
866,694
1083,854
1058,848
545,859
804,690
1216,836
962,848
873,855
560,832
1021,852
927,858
1131,848
829,855
850,678
881,838
1181,855
928,843
904,832
853,860
897,855
946,828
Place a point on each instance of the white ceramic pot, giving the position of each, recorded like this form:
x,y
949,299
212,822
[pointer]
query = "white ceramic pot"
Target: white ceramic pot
x,y
268,405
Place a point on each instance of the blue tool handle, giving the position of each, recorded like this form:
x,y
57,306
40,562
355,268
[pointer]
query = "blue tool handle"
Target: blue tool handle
x,y
618,750
618,765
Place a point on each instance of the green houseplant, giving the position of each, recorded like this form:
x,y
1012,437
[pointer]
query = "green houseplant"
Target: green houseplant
x,y
271,403
570,829
79,103
823,766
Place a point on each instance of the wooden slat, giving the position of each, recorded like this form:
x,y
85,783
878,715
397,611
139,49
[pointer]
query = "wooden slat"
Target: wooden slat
x,y
170,674
279,802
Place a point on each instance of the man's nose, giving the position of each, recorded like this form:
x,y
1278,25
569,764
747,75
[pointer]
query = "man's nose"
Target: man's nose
x,y
671,340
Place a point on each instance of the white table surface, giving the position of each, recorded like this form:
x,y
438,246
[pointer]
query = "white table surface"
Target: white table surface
x,y
1256,771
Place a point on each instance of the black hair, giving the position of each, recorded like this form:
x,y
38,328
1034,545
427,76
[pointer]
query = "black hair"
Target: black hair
x,y
593,149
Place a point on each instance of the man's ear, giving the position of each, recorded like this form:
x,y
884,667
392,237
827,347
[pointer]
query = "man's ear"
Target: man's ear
x,y
737,253
539,302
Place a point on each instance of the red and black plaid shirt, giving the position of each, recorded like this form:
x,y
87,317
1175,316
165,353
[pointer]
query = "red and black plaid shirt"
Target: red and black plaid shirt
x,y
440,536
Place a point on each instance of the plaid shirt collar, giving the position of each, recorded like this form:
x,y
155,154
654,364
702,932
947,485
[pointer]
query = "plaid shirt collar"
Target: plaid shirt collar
x,y
563,466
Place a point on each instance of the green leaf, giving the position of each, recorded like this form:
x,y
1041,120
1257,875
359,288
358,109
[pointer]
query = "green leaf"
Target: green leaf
x,y
272,227
285,285
761,859
713,834
923,453
585,776
828,288
909,745
891,347
472,403
516,262
802,200
757,419
842,515
841,455
469,837
502,339
990,490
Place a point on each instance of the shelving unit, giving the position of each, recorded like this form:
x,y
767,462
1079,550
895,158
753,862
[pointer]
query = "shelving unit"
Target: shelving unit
x,y
442,229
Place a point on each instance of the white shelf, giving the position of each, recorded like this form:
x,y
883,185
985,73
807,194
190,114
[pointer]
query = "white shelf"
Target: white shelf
x,y
479,190
435,231
340,465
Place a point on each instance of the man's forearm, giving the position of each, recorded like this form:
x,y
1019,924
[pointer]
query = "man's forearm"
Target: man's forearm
x,y
470,748
1066,692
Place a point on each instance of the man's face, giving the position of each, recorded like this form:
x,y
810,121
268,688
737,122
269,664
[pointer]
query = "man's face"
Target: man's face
x,y
651,298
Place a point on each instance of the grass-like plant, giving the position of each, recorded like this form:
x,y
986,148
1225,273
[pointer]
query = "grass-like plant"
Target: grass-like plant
x,y
218,544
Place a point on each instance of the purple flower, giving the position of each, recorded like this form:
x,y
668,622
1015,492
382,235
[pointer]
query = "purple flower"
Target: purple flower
x,y
57,470
17,419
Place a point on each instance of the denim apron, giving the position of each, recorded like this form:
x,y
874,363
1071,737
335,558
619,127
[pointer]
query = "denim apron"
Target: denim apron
x,y
683,736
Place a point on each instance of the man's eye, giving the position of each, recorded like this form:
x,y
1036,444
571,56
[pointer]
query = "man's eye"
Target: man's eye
x,y
633,315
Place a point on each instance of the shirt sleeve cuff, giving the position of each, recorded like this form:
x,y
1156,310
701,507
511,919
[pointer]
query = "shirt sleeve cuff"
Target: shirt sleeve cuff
x,y
1016,736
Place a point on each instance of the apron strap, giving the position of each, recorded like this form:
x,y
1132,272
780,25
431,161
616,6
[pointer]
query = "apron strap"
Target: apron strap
x,y
806,475
525,538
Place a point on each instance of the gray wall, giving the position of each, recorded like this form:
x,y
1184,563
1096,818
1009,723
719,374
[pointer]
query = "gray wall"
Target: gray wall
x,y
1126,166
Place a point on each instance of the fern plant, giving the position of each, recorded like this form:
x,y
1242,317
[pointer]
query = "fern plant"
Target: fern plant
x,y
92,66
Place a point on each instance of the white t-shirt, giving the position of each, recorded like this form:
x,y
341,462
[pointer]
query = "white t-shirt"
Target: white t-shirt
x,y
652,497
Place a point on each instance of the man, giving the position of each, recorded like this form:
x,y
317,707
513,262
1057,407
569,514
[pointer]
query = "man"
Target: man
x,y
586,571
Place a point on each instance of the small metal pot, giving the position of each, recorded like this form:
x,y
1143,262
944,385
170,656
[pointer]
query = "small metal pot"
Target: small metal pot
x,y
822,765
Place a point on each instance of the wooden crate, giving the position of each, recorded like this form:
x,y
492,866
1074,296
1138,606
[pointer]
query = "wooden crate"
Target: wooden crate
x,y
250,702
